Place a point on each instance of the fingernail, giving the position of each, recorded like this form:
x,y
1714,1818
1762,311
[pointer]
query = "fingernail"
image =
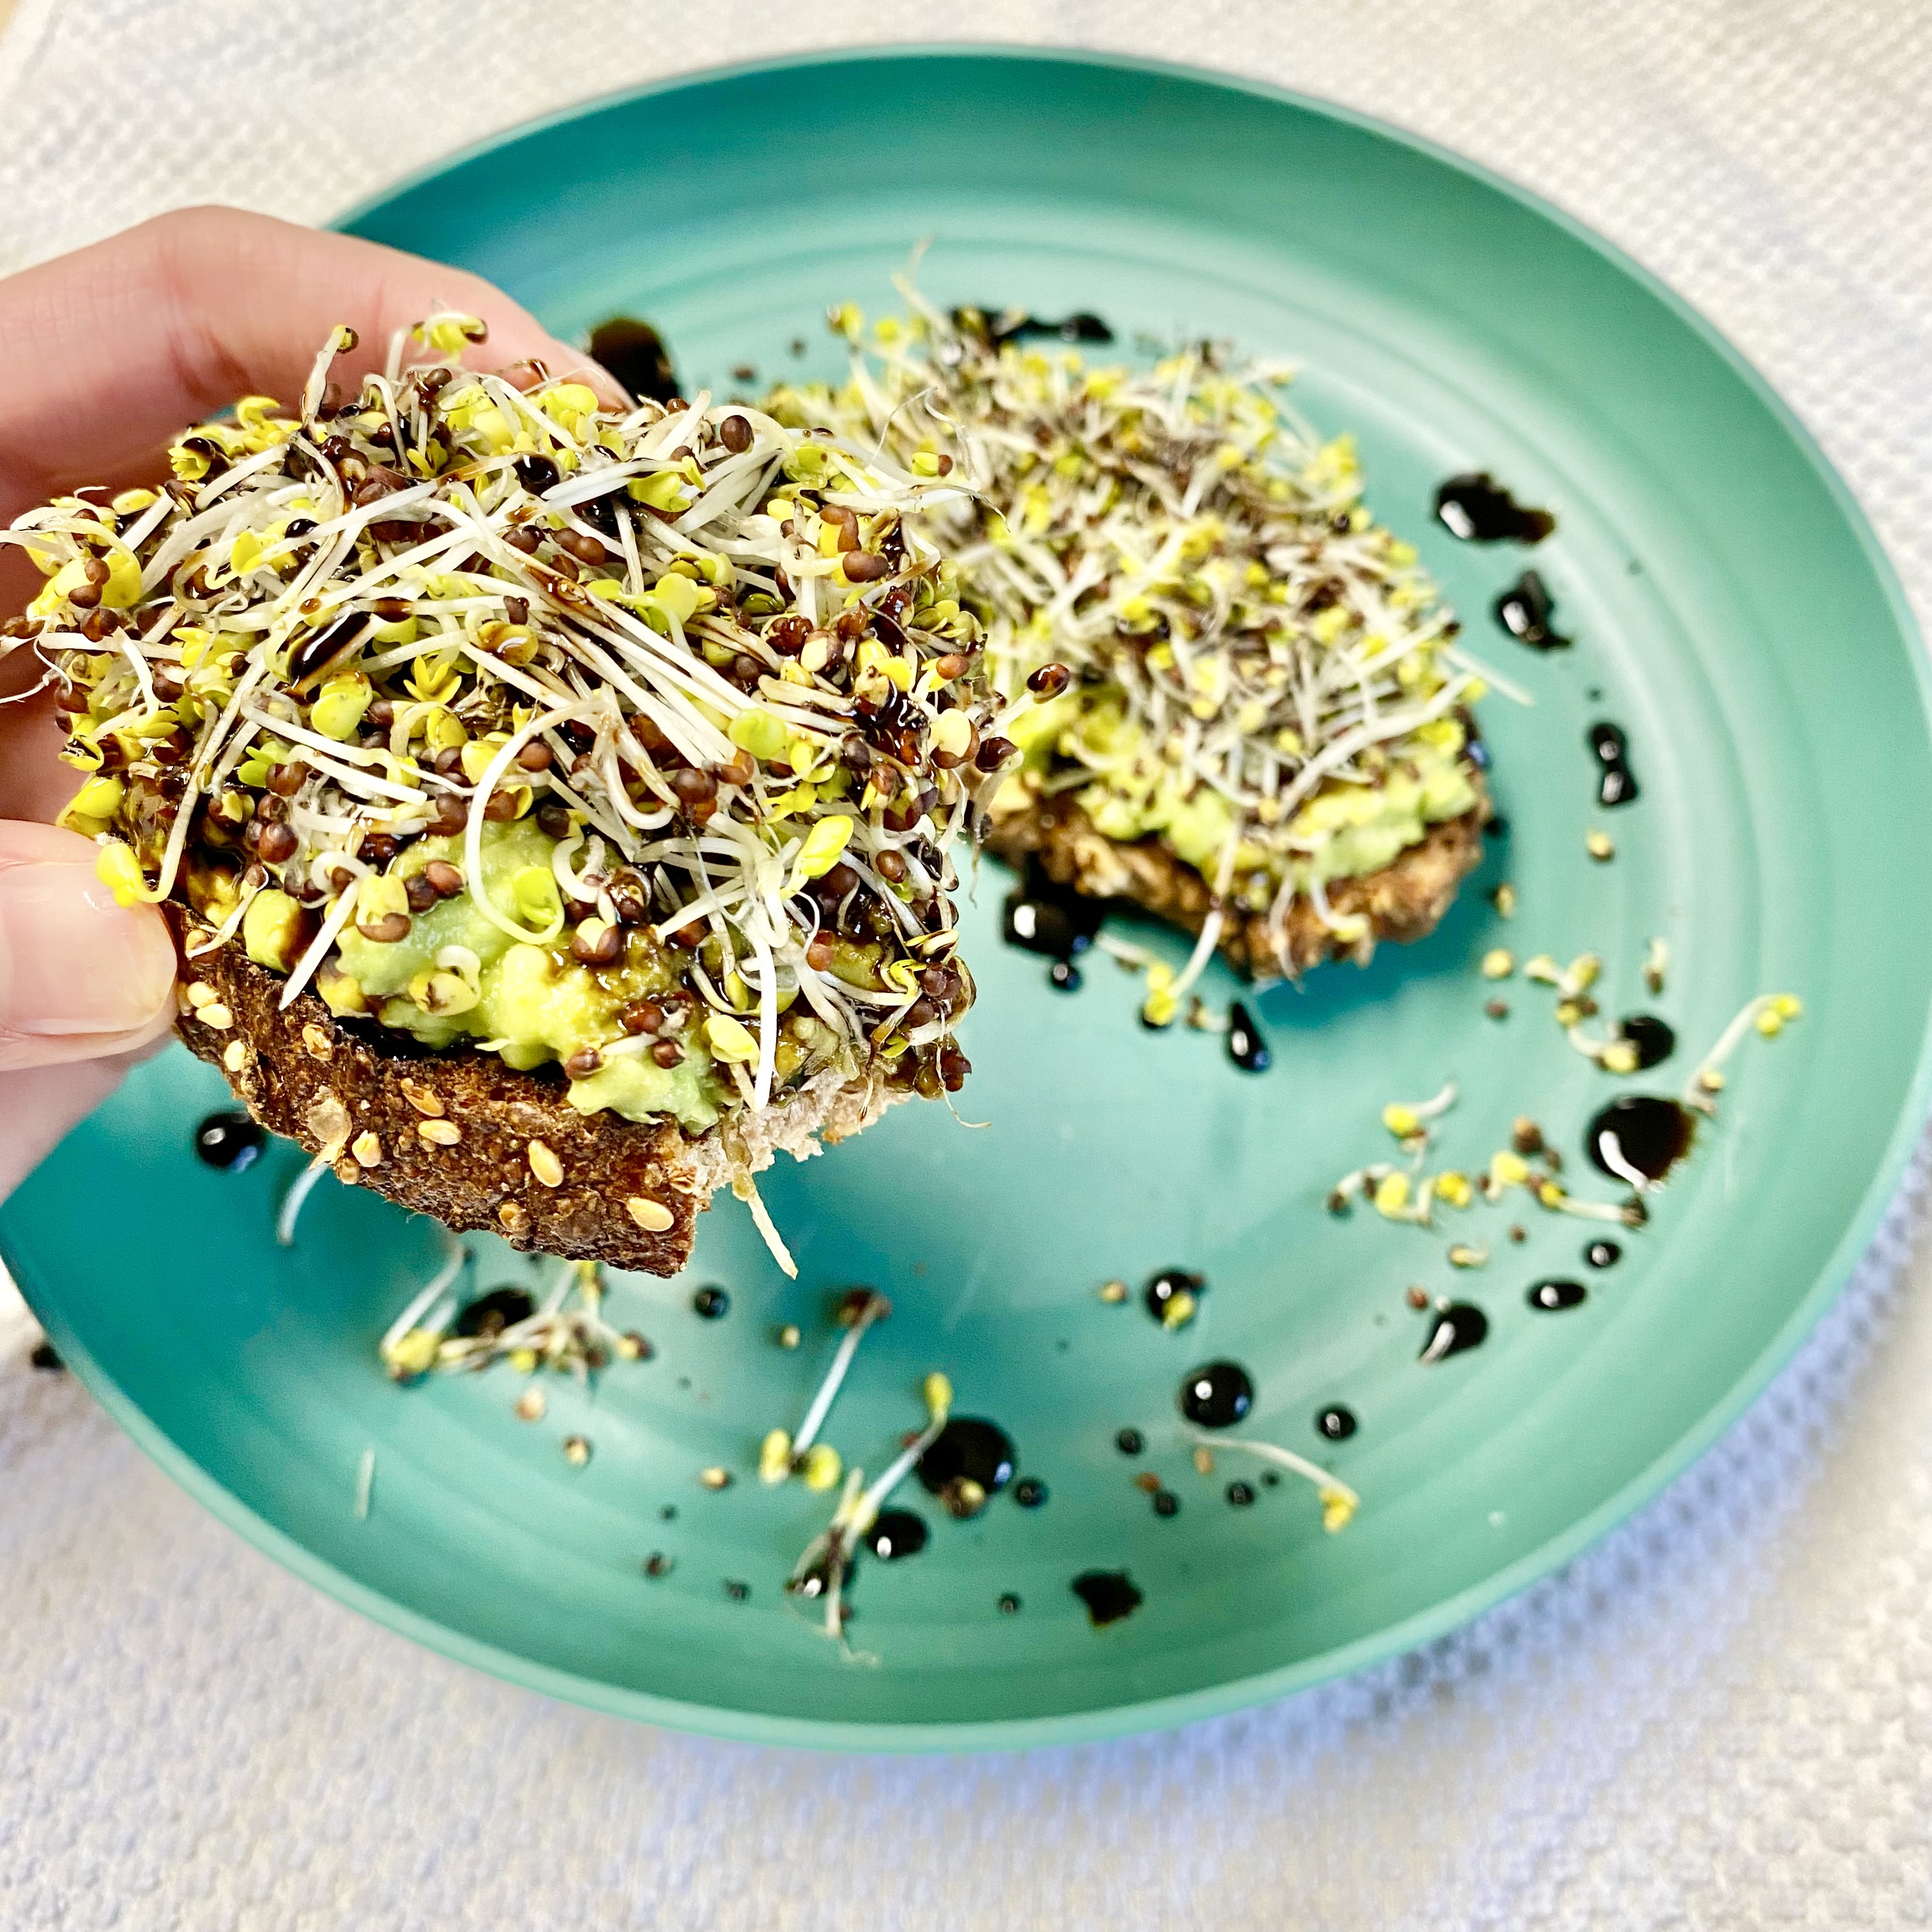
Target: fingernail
x,y
72,962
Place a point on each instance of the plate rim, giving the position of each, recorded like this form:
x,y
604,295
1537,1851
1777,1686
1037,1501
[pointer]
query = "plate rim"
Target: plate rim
x,y
1235,1693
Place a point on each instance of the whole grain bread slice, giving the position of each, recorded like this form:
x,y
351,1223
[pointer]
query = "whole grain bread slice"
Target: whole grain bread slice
x,y
460,1135
1402,901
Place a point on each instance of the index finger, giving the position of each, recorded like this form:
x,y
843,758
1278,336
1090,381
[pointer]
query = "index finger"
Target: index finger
x,y
115,350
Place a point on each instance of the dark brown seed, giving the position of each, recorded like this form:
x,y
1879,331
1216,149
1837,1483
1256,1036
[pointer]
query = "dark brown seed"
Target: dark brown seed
x,y
888,865
641,1016
954,663
449,761
863,566
285,781
381,713
387,930
84,596
445,880
788,633
583,1063
840,880
449,815
690,936
693,786
516,610
666,1053
746,670
995,752
629,899
278,843
585,549
95,570
377,848
503,806
535,757
945,465
922,1012
739,769
735,434
524,538
936,982
595,943
1050,680
1418,1297
818,952
953,1067
553,820
271,810
421,894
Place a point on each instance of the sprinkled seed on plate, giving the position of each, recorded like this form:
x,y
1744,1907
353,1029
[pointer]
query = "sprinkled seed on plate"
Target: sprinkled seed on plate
x,y
1498,963
440,1133
317,1042
1147,1482
1204,1460
367,1148
576,1451
714,1478
1418,1297
1497,1010
544,1164
658,1565
1113,1291
531,1405
1600,847
1462,1255
653,1216
788,1336
1504,899
217,1016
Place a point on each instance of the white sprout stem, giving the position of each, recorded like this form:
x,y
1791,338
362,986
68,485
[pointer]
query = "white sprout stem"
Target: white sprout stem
x,y
365,1484
835,1375
746,1190
1694,1094
433,1292
339,916
295,1198
1272,1452
895,1473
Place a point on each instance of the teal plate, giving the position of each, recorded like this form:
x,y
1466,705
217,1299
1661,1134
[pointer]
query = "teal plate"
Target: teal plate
x,y
1730,609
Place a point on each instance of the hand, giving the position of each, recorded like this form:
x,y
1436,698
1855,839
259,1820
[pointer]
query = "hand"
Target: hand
x,y
110,353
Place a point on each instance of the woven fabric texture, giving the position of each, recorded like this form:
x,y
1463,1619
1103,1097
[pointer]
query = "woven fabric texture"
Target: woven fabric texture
x,y
1720,1717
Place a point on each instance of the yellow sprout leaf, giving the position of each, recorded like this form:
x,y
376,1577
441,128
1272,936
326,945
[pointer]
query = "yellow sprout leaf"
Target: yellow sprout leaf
x,y
824,1466
1391,1194
728,1040
819,852
774,1457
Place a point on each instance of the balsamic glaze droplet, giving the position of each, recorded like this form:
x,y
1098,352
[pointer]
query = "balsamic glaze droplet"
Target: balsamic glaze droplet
x,y
1653,1039
968,1455
1461,1325
537,474
1603,1254
1240,1494
1476,508
1161,1290
1010,1605
999,326
1108,1595
1217,1396
1525,610
1029,1492
47,1357
490,1314
634,352
1642,1134
712,1303
897,1533
1129,1441
1616,784
1053,920
1336,1422
1166,1503
1246,1047
229,1139
1064,976
1555,1296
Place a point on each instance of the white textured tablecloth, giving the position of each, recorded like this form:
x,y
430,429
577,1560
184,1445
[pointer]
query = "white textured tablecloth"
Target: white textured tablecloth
x,y
1720,1717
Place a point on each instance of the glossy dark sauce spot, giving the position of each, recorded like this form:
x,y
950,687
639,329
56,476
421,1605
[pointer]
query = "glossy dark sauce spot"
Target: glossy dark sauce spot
x,y
1654,1040
1166,1503
1476,508
969,1460
634,352
1129,1441
1616,783
1029,1492
1525,610
228,1140
46,1357
1162,1291
1055,920
1240,1494
1246,1047
1010,1605
501,1308
1639,1137
712,1303
1108,1595
1553,1297
896,1533
1064,976
1459,1326
1336,1423
1216,1395
1603,1254
999,326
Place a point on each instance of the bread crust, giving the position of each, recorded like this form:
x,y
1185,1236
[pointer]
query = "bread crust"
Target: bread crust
x,y
1402,901
327,1084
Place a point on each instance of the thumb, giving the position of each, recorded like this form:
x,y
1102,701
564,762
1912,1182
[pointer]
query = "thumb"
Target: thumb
x,y
80,976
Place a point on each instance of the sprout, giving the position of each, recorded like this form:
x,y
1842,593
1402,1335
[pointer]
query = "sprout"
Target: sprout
x,y
783,1456
1339,1502
1769,1013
